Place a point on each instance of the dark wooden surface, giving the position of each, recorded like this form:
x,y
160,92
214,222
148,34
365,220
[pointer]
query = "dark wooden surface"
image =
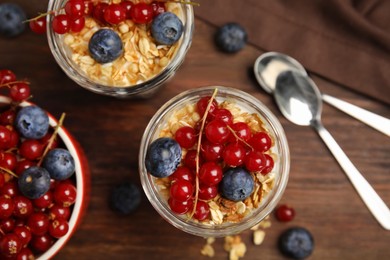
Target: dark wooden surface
x,y
110,131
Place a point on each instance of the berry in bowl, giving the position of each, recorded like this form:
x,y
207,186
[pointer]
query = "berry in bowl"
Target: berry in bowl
x,y
44,177
121,48
214,161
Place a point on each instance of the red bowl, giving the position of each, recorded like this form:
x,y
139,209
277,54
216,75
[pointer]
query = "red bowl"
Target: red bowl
x,y
82,177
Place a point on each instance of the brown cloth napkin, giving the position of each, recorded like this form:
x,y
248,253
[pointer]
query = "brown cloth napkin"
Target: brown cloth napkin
x,y
344,41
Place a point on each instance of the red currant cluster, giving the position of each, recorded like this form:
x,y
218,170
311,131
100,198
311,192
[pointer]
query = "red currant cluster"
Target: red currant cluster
x,y
76,10
27,226
224,144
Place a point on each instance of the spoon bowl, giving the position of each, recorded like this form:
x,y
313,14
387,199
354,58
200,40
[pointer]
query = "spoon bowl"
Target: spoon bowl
x,y
300,101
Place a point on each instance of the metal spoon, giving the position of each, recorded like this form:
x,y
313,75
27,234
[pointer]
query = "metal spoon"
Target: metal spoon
x,y
268,66
299,100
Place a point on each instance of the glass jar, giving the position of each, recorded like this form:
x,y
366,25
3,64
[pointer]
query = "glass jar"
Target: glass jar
x,y
142,88
280,171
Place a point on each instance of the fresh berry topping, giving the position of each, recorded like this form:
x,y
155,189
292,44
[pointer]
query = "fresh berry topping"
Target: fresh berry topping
x,y
217,131
77,25
186,137
142,13
75,9
65,194
125,198
61,23
59,163
99,10
182,173
115,13
237,184
296,242
41,243
284,213
167,28
261,141
181,190
210,173
19,91
207,192
255,161
38,25
31,149
23,207
32,122
7,76
158,7
269,164
180,207
38,222
163,157
105,46
202,210
210,151
58,228
34,182
231,37
12,18
234,154
127,5
6,207
10,245
202,104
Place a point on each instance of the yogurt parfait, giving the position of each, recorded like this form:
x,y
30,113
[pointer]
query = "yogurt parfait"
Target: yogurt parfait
x,y
214,161
120,48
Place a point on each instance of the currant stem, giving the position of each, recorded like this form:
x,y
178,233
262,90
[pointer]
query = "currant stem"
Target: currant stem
x,y
198,150
40,16
8,171
9,84
239,138
51,140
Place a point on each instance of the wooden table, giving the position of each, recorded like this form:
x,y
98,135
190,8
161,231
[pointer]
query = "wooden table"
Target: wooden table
x,y
110,131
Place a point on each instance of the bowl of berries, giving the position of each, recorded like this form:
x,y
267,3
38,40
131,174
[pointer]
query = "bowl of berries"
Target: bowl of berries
x,y
214,161
120,48
44,177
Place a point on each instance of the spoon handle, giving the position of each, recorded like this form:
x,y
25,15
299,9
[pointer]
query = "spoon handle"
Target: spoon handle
x,y
377,122
372,200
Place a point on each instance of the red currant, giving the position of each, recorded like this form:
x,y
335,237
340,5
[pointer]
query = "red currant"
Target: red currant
x,y
181,190
284,213
190,159
38,26
99,10
23,165
31,149
10,189
75,9
158,7
127,5
8,161
269,164
6,207
210,173
207,192
186,137
234,154
7,225
19,91
23,233
2,180
210,151
255,161
202,210
261,141
182,173
180,207
242,131
58,228
202,104
65,194
115,13
23,207
38,223
42,243
14,140
5,137
61,23
7,76
10,245
7,117
224,115
44,201
77,25
217,131
142,13
25,254
57,212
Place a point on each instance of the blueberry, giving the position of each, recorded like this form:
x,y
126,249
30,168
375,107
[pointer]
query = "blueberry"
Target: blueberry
x,y
167,28
237,184
125,198
12,18
34,182
296,242
163,157
231,37
32,122
105,46
59,163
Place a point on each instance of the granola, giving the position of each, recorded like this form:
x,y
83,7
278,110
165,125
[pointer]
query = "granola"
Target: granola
x,y
142,58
